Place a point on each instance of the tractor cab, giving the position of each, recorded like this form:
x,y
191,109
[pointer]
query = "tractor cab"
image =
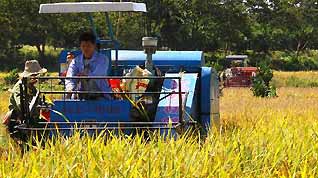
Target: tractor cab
x,y
153,90
238,74
237,60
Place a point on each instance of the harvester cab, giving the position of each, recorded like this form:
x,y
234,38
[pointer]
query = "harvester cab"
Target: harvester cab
x,y
183,94
238,74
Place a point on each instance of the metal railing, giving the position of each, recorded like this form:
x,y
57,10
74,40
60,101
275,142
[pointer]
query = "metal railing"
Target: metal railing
x,y
99,125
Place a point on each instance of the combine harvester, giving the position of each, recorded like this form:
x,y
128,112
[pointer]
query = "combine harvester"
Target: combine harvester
x,y
182,95
239,75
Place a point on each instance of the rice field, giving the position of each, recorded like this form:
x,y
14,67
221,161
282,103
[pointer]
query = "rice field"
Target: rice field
x,y
273,137
296,79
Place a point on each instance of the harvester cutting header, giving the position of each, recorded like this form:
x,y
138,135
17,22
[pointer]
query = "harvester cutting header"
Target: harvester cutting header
x,y
127,90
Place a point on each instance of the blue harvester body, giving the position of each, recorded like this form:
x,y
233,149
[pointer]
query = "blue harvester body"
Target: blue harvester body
x,y
199,86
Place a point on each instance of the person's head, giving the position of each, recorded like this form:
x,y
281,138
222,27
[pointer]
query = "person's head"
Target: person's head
x,y
32,69
33,80
70,56
87,44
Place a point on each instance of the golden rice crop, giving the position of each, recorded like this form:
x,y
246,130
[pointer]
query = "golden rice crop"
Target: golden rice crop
x,y
300,74
276,137
296,79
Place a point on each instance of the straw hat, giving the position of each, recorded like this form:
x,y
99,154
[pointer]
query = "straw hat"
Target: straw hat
x,y
32,67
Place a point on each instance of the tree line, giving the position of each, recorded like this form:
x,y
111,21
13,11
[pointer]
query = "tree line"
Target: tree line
x,y
230,26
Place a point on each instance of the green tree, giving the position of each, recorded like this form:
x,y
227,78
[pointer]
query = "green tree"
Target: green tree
x,y
31,28
261,85
9,36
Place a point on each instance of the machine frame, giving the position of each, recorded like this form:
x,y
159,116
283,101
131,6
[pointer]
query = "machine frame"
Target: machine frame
x,y
196,87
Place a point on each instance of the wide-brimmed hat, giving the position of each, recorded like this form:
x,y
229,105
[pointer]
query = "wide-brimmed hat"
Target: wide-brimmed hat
x,y
32,67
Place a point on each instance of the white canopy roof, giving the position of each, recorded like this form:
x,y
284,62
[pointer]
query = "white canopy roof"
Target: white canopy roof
x,y
76,7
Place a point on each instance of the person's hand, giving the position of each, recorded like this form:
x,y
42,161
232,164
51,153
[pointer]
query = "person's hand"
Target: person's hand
x,y
68,95
158,71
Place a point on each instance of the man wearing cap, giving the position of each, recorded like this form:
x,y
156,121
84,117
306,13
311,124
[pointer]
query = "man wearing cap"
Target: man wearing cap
x,y
89,63
14,116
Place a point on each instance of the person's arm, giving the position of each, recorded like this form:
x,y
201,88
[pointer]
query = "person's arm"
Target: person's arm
x,y
14,101
70,84
16,97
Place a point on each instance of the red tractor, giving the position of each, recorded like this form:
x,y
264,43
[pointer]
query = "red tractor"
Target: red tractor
x,y
238,74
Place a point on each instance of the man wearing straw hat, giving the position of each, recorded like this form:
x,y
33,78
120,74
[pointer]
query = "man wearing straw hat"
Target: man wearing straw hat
x,y
14,115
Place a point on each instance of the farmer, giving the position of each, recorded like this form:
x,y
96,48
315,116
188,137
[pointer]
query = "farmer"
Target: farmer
x,y
70,56
89,63
14,115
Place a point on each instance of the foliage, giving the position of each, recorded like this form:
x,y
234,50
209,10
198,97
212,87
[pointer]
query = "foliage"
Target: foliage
x,y
259,26
261,86
290,62
50,58
12,77
277,60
